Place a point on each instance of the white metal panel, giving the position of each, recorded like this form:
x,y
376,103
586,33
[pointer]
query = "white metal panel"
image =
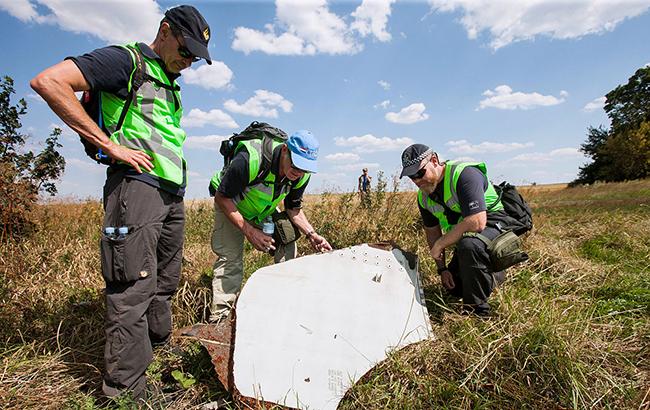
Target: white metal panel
x,y
309,328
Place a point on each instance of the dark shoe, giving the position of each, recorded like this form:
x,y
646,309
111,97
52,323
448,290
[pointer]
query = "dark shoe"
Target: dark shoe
x,y
499,277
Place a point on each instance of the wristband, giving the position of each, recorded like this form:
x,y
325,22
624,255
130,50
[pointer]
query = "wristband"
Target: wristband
x,y
309,234
440,270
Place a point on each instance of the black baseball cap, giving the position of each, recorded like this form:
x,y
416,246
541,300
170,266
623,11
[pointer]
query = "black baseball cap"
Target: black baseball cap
x,y
412,158
194,28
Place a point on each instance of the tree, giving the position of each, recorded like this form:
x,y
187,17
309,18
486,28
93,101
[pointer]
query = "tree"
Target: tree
x,y
23,175
622,152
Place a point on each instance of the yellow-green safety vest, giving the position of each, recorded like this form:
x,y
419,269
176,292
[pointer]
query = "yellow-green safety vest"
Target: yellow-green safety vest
x,y
258,201
453,170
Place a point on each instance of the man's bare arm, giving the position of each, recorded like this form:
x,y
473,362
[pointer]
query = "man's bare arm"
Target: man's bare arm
x,y
57,86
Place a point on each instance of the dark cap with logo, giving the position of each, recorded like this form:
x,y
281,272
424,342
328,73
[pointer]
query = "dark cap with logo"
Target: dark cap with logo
x,y
412,158
194,28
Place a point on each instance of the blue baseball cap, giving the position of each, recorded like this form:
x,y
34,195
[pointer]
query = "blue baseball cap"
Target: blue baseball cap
x,y
304,150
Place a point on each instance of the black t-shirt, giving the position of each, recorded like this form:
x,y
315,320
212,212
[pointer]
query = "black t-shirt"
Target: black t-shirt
x,y
471,188
235,179
109,69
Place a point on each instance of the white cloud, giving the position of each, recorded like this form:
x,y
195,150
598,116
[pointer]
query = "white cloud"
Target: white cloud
x,y
66,132
86,165
384,84
371,17
370,143
112,21
384,104
309,27
567,152
342,157
263,104
464,147
465,159
511,20
215,117
542,157
21,9
215,76
503,98
594,105
34,97
408,115
357,166
209,142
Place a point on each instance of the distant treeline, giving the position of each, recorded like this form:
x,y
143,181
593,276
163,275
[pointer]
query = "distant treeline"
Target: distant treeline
x,y
621,152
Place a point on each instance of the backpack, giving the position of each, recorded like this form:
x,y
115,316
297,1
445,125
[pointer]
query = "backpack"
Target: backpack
x,y
256,131
515,206
506,249
91,101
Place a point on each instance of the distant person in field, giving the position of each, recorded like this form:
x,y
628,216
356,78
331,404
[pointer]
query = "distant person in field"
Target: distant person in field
x,y
364,182
145,182
456,199
241,208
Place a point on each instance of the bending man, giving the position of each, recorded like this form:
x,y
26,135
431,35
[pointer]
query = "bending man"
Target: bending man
x,y
241,207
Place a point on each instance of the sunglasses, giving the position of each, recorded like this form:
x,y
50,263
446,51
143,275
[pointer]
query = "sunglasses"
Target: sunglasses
x,y
419,174
185,52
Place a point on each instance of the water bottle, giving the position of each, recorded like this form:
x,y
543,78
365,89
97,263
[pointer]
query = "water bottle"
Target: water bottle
x,y
268,227
122,231
109,231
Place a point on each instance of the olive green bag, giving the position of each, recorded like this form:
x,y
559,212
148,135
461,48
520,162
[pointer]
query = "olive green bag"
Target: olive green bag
x,y
505,250
285,231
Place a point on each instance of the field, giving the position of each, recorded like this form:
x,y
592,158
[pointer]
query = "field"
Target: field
x,y
571,328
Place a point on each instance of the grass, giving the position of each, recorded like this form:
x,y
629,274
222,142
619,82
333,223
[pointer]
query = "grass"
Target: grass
x,y
571,328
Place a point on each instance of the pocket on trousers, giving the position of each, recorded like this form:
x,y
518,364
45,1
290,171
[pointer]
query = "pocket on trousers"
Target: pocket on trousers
x,y
132,257
505,251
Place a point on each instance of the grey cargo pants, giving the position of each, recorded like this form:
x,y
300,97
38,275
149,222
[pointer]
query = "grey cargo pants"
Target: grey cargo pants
x,y
141,271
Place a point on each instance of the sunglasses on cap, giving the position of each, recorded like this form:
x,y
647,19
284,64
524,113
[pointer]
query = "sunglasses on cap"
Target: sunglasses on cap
x,y
419,174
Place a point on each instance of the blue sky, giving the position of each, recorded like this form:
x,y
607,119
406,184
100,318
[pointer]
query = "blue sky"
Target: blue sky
x,y
511,83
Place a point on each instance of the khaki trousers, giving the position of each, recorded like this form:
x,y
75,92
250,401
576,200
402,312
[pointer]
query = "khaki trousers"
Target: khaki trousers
x,y
228,270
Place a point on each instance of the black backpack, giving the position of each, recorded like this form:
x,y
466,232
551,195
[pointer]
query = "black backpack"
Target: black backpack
x,y
256,131
516,207
92,104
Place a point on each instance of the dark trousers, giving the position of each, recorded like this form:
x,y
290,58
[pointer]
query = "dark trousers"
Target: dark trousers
x,y
141,271
470,269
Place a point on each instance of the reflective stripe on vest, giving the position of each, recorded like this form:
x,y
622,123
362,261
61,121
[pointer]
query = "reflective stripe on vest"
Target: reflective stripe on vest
x,y
453,170
257,201
152,123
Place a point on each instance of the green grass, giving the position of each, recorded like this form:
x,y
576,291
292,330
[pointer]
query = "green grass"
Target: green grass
x,y
571,328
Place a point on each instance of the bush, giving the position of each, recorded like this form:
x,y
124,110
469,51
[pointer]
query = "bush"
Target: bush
x,y
23,175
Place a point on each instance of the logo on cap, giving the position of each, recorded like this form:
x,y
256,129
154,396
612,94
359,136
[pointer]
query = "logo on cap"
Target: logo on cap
x,y
309,153
206,33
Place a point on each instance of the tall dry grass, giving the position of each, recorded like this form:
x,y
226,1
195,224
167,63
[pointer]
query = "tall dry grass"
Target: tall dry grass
x,y
571,329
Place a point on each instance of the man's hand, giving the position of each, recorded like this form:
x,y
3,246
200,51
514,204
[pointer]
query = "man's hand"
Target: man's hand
x,y
437,251
259,240
447,280
319,243
129,156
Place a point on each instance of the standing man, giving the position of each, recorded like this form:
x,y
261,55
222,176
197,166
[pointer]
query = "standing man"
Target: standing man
x,y
456,199
364,183
241,207
145,184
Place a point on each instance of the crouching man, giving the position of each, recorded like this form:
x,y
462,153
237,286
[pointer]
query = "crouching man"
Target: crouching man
x,y
456,200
